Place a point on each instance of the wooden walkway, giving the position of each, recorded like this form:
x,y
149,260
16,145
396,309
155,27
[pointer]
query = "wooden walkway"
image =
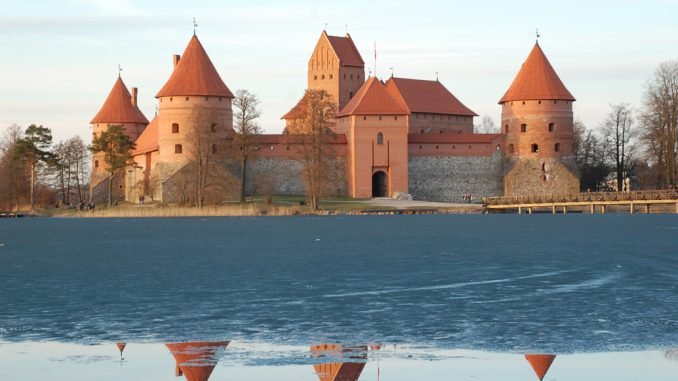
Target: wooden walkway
x,y
594,202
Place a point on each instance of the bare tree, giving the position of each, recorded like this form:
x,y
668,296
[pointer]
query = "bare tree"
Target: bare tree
x,y
78,159
590,158
659,121
486,126
619,133
207,153
313,140
246,128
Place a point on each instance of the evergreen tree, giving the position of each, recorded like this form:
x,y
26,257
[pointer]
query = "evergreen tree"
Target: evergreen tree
x,y
34,149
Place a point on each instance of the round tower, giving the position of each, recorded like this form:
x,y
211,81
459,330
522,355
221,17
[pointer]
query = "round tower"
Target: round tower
x,y
194,113
537,111
537,122
120,108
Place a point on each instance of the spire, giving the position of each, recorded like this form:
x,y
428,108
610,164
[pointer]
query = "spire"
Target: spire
x,y
537,80
118,107
195,74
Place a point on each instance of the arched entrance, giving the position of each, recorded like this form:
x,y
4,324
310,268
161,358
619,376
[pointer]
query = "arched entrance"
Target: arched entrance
x,y
379,185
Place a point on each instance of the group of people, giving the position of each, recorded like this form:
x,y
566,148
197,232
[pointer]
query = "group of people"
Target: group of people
x,y
468,197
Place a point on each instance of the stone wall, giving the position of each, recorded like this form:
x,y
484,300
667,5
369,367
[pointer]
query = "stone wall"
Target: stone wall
x,y
525,177
99,189
282,176
448,178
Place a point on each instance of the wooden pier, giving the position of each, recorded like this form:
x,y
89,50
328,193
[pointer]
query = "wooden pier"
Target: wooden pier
x,y
591,202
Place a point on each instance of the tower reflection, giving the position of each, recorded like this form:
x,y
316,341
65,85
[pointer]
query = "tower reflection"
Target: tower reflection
x,y
342,363
540,363
196,360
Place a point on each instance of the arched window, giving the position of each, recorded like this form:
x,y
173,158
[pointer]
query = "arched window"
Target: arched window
x,y
535,148
175,128
506,128
380,138
523,127
557,147
213,127
552,127
178,148
96,163
510,149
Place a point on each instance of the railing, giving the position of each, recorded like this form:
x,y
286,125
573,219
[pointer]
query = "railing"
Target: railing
x,y
667,194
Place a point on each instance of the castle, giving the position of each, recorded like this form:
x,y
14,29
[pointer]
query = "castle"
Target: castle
x,y
402,135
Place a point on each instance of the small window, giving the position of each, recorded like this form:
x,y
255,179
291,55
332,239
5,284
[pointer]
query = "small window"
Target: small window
x,y
214,148
555,102
178,148
510,148
220,98
323,76
171,99
552,127
440,131
506,128
175,128
379,117
96,163
557,147
207,99
358,76
213,127
535,148
380,138
350,94
331,76
351,76
523,102
419,146
523,128
539,102
187,98
436,147
315,77
364,118
344,75
421,131
395,117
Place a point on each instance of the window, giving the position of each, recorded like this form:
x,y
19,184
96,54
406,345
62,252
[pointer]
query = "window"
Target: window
x,y
175,128
187,98
178,148
552,127
331,76
96,163
350,94
510,149
323,76
358,76
523,102
315,77
207,99
344,75
213,127
380,138
523,128
506,128
379,117
364,118
395,117
535,148
214,148
557,147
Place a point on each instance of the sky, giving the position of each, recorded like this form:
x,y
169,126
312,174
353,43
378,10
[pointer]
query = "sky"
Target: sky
x,y
60,59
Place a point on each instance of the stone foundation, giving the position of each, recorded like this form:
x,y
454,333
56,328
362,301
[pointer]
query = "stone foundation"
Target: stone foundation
x,y
525,177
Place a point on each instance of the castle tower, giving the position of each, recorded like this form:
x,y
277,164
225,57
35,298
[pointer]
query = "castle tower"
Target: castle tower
x,y
376,130
349,370
537,123
120,108
194,111
196,360
336,67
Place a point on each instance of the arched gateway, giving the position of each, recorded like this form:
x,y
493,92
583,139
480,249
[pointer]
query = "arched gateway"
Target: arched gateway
x,y
379,185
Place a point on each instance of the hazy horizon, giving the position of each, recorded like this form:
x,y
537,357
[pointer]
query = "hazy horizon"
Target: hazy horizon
x,y
62,57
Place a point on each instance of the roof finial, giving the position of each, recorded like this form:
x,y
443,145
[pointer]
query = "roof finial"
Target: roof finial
x,y
195,25
538,35
391,71
119,70
325,27
437,77
346,27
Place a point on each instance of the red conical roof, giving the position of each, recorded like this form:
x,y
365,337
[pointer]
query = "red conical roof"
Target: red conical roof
x,y
373,99
196,360
118,107
339,371
537,80
195,75
540,364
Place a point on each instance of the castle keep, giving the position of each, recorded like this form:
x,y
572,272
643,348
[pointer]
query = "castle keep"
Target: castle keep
x,y
399,136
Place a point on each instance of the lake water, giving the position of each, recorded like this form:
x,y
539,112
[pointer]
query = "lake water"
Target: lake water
x,y
437,289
